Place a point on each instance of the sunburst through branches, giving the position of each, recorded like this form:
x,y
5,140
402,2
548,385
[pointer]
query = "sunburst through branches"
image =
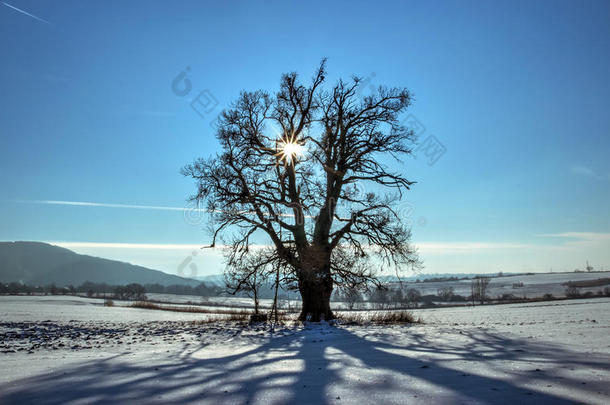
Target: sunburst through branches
x,y
289,149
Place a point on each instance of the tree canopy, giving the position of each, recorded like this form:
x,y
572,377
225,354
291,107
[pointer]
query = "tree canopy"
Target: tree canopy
x,y
306,168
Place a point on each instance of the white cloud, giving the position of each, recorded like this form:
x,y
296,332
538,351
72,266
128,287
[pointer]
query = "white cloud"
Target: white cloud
x,y
111,245
571,240
563,251
465,247
585,171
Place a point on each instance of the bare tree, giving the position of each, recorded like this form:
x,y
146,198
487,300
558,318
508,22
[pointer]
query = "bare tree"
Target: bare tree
x,y
445,293
478,288
292,169
350,296
380,296
412,296
397,297
248,273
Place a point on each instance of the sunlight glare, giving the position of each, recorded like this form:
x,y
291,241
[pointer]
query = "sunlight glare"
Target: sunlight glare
x,y
291,150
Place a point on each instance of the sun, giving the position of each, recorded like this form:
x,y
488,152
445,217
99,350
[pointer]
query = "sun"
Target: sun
x,y
289,150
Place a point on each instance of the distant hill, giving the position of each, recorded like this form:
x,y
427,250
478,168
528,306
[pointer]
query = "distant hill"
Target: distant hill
x,y
37,263
213,279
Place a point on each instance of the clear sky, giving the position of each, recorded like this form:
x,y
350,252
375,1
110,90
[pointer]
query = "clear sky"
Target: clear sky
x,y
517,92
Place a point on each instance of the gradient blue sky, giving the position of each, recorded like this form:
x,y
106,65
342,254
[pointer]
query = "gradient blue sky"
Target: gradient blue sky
x,y
516,91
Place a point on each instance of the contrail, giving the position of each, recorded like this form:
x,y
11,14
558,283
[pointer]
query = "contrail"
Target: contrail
x,y
96,204
155,246
26,13
135,206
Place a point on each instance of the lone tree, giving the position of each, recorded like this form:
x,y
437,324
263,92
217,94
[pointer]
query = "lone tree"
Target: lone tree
x,y
293,169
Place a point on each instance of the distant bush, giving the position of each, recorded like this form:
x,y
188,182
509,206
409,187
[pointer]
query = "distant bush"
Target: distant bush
x,y
429,299
101,289
607,291
133,291
412,297
588,283
517,285
108,302
445,293
350,295
507,297
439,279
548,296
572,292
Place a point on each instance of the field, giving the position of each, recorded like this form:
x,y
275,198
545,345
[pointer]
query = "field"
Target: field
x,y
74,350
534,285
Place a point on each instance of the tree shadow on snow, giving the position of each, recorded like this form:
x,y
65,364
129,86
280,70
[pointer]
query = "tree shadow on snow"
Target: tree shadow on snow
x,y
318,365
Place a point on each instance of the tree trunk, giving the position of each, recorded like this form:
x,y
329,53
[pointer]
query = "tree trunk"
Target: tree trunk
x,y
316,301
315,284
256,302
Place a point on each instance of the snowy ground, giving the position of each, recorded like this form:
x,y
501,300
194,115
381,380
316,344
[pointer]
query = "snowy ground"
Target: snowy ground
x,y
534,285
74,351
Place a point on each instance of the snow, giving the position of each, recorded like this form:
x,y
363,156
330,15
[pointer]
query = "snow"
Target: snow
x,y
537,353
71,308
534,285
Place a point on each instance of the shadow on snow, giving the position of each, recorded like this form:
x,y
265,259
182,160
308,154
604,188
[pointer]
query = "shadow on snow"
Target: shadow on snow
x,y
325,365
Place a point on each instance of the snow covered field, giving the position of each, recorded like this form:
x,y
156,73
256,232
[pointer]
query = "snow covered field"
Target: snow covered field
x,y
74,351
534,285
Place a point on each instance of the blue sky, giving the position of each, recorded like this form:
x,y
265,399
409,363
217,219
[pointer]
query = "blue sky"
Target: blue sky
x,y
517,93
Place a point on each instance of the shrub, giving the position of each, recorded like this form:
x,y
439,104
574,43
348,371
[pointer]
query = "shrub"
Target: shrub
x,y
548,296
234,317
258,318
445,293
183,308
572,292
381,318
412,297
108,302
131,291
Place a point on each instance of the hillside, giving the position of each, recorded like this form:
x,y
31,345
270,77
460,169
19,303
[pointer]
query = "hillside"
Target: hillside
x,y
36,263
